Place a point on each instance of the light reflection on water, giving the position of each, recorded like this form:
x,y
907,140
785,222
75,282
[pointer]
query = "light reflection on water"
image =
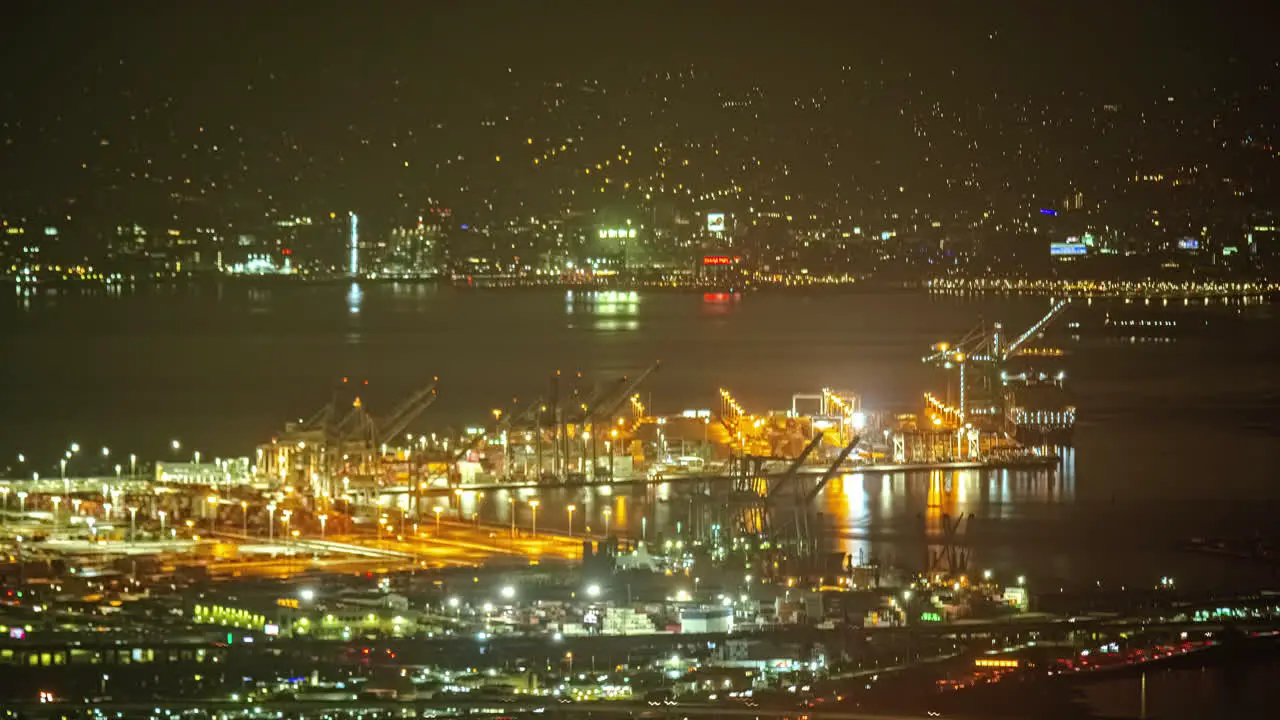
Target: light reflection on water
x,y
610,310
1015,522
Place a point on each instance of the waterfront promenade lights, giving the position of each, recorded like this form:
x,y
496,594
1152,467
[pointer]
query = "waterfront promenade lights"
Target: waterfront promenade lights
x,y
244,518
571,508
324,519
271,522
56,500
196,456
534,528
437,510
133,465
118,469
608,513
22,502
213,511
63,465
162,515
133,524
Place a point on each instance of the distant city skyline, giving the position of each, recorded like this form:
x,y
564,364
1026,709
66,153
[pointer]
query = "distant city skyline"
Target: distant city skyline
x,y
809,126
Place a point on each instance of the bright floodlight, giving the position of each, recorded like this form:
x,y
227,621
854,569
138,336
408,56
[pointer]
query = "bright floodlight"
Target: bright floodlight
x,y
593,590
454,602
307,594
508,592
859,420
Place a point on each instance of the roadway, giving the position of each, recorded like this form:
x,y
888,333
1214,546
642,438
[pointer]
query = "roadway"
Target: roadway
x,y
453,545
418,648
540,708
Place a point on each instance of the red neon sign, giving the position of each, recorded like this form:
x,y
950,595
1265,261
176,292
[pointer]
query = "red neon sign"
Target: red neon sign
x,y
716,260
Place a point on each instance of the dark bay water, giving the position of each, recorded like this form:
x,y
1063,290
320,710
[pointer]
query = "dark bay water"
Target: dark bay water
x,y
1175,439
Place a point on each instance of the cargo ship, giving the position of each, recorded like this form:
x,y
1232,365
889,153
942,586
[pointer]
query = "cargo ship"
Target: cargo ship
x,y
1038,408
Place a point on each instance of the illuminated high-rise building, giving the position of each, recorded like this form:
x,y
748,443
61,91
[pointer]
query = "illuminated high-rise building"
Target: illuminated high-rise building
x,y
355,245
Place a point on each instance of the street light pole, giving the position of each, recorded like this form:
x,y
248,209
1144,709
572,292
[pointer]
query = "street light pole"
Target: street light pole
x,y
213,512
162,515
534,504
133,524
244,518
571,508
323,520
271,522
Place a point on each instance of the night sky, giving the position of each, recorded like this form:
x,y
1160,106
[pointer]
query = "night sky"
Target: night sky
x,y
96,92
208,50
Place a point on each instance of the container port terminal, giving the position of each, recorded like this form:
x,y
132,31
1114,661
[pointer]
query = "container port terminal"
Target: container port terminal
x,y
346,469
575,526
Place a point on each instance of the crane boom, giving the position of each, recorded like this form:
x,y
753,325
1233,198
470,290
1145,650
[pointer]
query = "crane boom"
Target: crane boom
x,y
1039,325
408,411
628,387
789,475
833,469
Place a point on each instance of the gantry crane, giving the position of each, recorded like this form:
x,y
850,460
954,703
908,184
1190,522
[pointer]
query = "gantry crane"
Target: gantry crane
x,y
505,422
326,446
565,415
987,348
